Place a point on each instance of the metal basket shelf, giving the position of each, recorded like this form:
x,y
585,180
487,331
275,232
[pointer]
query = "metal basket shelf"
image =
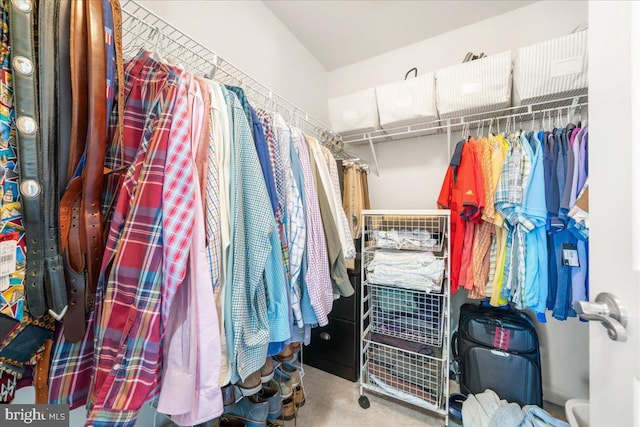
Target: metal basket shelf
x,y
405,303
406,232
404,373
406,314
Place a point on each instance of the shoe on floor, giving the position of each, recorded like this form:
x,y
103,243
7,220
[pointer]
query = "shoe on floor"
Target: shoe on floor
x,y
295,347
293,371
266,372
251,385
231,421
298,396
272,397
251,411
292,381
228,395
288,410
286,355
284,390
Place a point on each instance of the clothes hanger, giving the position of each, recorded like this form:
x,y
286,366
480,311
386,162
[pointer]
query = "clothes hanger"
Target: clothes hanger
x,y
533,121
157,45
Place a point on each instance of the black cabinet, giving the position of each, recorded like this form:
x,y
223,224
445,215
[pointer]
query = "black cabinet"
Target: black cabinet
x,y
335,348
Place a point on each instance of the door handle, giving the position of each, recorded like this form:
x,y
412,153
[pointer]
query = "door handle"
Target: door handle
x,y
607,309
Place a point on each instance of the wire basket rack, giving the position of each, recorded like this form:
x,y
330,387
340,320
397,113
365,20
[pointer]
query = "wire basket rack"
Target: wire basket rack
x,y
406,232
405,374
405,314
405,307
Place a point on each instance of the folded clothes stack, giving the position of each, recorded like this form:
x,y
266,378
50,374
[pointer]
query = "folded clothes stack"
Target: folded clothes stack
x,y
404,239
411,270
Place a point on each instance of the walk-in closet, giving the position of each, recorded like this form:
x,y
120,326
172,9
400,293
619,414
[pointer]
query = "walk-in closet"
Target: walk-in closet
x,y
273,213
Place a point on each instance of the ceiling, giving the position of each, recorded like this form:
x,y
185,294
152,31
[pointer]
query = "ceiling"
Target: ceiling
x,y
340,33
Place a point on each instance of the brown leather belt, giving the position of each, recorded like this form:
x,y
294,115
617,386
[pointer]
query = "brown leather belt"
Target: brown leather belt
x,y
74,325
41,374
75,319
92,177
80,207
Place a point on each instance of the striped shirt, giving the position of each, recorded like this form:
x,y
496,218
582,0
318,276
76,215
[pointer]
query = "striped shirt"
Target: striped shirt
x,y
317,279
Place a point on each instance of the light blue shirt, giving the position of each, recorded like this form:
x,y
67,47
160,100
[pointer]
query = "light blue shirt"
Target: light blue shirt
x,y
257,269
536,286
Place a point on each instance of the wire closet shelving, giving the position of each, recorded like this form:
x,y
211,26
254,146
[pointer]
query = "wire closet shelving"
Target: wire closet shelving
x,y
552,112
142,28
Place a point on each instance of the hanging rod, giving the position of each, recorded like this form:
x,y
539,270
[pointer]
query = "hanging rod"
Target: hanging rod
x,y
142,28
520,113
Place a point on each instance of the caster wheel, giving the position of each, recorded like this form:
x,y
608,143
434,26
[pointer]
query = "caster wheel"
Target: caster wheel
x,y
363,401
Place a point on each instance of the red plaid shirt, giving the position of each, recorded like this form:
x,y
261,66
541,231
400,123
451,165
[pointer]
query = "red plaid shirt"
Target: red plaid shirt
x,y
126,351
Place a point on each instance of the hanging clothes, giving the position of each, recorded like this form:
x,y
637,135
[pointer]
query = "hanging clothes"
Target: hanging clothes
x,y
514,216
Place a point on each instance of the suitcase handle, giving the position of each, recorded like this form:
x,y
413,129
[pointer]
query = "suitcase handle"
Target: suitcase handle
x,y
454,345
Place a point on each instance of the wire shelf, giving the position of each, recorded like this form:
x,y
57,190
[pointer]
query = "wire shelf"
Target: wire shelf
x,y
143,29
404,374
552,109
408,232
407,315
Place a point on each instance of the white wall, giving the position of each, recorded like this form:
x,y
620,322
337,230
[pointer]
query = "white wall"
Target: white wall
x,y
411,171
247,34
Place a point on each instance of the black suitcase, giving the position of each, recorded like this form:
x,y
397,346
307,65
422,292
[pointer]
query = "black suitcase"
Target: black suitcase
x,y
498,349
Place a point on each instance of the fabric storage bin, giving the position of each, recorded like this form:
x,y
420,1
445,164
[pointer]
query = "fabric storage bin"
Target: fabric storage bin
x,y
551,70
354,113
474,87
408,101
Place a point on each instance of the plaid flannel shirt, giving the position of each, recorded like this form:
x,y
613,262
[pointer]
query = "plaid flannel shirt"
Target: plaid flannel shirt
x,y
123,361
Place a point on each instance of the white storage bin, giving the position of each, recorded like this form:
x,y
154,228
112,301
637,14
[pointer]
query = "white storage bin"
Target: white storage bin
x,y
408,101
550,70
474,87
354,113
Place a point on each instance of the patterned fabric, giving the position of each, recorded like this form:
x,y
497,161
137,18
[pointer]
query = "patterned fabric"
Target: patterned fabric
x,y
349,249
222,140
485,233
294,225
12,300
128,323
8,386
499,149
127,305
297,234
178,203
273,142
508,201
257,260
212,201
71,368
317,278
244,102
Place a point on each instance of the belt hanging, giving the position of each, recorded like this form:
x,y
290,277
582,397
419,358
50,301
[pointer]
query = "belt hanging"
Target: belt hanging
x,y
93,173
70,245
27,136
54,275
63,90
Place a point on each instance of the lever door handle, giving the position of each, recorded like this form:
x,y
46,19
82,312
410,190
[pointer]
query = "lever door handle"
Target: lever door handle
x,y
607,309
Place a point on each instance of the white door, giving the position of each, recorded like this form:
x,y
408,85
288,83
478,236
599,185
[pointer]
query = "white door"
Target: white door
x,y
613,129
